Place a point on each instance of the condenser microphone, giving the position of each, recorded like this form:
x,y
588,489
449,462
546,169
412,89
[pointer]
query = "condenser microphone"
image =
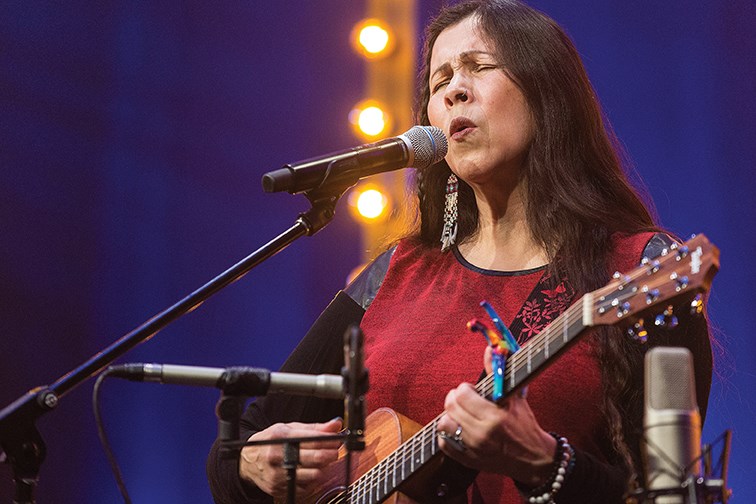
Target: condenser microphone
x,y
419,147
671,423
244,380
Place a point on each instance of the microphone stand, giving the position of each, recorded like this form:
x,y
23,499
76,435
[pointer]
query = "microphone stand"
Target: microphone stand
x,y
23,446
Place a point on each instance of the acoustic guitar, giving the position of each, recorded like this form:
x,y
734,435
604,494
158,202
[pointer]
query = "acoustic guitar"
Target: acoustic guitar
x,y
400,455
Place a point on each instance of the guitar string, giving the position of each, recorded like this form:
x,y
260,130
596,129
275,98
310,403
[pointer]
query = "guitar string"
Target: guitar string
x,y
548,336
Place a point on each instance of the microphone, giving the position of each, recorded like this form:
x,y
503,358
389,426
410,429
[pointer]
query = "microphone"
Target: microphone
x,y
419,147
235,380
671,423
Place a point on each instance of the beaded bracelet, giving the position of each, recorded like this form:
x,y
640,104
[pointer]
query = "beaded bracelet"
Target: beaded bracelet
x,y
564,461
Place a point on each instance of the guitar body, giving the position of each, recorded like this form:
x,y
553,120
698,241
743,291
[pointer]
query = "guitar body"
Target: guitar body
x,y
385,431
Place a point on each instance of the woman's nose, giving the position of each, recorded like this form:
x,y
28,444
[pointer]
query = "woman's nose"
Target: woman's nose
x,y
456,92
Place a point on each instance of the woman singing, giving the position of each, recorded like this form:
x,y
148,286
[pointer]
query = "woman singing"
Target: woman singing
x,y
530,209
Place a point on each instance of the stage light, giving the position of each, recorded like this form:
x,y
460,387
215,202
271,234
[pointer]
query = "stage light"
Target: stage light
x,y
369,202
369,118
372,38
372,121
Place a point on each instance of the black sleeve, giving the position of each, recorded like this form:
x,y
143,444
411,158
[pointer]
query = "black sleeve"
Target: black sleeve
x,y
320,351
592,482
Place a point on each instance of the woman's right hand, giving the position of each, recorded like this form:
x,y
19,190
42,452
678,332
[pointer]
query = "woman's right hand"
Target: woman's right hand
x,y
262,465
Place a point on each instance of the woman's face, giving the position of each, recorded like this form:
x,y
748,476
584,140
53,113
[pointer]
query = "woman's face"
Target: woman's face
x,y
481,110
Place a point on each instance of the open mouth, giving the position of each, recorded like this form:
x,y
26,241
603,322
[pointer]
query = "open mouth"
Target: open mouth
x,y
460,126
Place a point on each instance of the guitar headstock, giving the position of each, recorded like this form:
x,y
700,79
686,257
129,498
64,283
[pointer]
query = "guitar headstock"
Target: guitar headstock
x,y
658,287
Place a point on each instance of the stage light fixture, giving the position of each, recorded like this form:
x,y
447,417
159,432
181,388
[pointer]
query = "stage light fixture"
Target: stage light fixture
x,y
369,119
369,202
372,38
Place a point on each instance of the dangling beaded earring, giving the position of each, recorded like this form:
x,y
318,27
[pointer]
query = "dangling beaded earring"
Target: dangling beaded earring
x,y
449,234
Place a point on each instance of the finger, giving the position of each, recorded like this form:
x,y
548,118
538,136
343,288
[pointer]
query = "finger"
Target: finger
x,y
488,359
452,449
317,458
308,432
333,425
470,399
322,445
456,449
466,405
446,424
306,481
310,473
309,476
454,414
272,455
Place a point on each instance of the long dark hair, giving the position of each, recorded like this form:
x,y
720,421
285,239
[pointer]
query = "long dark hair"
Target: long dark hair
x,y
577,191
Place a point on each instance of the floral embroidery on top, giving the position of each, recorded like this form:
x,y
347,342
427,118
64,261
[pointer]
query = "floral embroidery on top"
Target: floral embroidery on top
x,y
545,304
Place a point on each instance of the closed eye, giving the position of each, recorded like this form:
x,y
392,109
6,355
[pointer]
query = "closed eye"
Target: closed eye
x,y
439,85
480,68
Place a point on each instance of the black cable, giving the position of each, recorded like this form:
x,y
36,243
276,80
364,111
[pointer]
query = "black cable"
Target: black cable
x,y
104,438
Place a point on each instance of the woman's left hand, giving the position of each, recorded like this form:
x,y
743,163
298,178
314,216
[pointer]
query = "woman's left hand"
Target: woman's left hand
x,y
503,439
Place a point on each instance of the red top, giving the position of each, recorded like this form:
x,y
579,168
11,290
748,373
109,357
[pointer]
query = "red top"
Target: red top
x,y
418,347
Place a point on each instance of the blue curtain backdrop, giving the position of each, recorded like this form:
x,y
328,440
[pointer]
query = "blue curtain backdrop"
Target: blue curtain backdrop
x,y
132,141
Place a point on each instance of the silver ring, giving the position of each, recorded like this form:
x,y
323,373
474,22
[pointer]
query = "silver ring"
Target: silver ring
x,y
456,439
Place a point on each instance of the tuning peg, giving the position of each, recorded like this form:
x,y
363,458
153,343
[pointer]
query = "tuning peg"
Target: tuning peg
x,y
651,294
638,332
682,251
667,319
681,282
696,305
652,267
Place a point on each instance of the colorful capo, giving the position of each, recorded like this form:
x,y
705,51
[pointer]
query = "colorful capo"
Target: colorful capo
x,y
503,329
502,346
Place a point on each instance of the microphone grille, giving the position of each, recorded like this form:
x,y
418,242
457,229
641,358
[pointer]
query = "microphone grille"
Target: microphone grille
x,y
428,144
669,379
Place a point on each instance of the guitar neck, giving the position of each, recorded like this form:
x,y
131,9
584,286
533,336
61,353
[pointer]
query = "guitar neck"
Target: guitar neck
x,y
384,479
